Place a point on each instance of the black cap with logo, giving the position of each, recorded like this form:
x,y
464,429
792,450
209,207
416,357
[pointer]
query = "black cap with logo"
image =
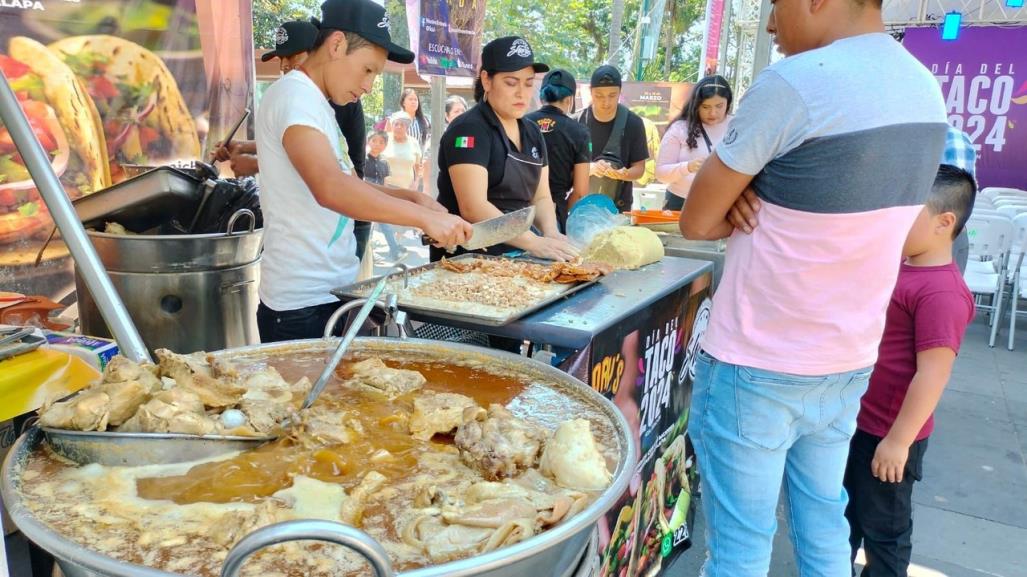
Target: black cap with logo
x,y
509,54
291,38
366,19
561,77
606,76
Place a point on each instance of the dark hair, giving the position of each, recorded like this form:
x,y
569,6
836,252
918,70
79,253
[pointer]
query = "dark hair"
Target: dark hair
x,y
554,93
703,90
419,118
954,191
378,134
479,87
354,41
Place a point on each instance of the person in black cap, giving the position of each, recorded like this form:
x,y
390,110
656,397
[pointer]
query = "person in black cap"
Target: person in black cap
x,y
619,148
309,194
567,142
493,161
292,42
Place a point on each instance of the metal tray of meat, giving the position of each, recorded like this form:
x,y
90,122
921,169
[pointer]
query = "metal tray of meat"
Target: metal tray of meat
x,y
425,309
143,202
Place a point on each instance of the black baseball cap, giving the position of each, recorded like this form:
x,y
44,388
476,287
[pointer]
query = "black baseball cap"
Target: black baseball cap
x,y
606,76
291,38
560,78
509,54
367,19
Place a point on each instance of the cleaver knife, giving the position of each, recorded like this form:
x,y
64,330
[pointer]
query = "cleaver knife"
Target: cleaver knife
x,y
496,230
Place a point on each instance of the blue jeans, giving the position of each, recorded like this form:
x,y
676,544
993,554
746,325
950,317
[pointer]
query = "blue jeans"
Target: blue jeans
x,y
754,430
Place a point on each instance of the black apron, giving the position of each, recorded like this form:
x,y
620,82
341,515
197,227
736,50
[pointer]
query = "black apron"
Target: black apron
x,y
521,176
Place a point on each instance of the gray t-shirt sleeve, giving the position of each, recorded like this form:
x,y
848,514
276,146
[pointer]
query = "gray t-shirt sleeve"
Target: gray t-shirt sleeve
x,y
771,119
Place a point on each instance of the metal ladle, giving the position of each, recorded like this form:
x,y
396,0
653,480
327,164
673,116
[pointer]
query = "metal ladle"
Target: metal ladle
x,y
134,449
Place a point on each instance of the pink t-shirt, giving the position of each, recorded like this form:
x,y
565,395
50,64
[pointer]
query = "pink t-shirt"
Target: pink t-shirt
x,y
841,182
672,161
930,308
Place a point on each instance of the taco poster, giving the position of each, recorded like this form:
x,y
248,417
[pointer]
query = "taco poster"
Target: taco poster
x,y
108,85
646,368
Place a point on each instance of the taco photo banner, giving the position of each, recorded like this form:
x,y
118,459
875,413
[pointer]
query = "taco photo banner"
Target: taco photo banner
x,y
983,78
646,366
107,86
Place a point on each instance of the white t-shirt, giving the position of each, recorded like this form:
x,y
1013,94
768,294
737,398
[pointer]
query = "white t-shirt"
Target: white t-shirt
x,y
401,158
308,249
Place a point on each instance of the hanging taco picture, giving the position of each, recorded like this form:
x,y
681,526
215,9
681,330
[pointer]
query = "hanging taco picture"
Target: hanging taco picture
x,y
64,120
143,114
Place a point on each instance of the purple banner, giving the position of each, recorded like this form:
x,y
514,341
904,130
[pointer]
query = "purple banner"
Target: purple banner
x,y
446,36
983,77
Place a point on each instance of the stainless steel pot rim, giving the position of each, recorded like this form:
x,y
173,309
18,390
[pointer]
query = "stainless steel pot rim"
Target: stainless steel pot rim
x,y
169,237
73,552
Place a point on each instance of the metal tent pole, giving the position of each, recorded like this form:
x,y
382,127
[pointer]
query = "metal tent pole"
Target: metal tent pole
x,y
63,213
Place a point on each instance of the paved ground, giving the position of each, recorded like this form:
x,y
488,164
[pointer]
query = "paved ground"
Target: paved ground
x,y
970,516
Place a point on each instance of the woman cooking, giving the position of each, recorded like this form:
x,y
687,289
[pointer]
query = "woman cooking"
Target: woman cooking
x,y
691,139
309,192
492,161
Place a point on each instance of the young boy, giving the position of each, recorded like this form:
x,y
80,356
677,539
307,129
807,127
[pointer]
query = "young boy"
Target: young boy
x,y
927,316
376,169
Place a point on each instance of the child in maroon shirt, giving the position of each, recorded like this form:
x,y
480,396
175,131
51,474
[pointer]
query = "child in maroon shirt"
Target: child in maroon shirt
x,y
927,316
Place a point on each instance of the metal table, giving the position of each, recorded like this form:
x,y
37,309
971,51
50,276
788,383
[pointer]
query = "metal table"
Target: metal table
x,y
574,322
711,251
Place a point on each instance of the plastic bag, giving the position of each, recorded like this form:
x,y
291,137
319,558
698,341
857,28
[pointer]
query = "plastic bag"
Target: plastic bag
x,y
587,221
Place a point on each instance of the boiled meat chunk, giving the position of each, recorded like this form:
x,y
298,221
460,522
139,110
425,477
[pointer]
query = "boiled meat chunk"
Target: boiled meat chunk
x,y
373,374
352,511
438,413
122,370
173,411
194,373
125,398
573,459
86,411
497,443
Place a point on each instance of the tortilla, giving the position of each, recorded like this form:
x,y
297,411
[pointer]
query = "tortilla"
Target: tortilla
x,y
121,73
64,118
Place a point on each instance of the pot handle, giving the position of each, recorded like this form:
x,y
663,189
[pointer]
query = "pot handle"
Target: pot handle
x,y
239,214
309,530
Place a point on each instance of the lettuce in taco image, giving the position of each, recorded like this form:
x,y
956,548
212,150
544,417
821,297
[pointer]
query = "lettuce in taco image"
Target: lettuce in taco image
x,y
64,120
144,116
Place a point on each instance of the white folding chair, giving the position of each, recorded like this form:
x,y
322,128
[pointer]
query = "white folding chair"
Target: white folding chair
x,y
978,211
1009,200
1010,211
1019,286
990,240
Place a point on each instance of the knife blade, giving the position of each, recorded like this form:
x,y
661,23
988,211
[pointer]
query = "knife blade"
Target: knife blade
x,y
496,230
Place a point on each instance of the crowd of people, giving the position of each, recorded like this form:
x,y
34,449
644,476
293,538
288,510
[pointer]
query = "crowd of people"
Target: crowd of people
x,y
795,387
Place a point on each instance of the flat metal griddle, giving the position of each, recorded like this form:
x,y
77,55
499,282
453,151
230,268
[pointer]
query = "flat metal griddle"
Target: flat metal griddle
x,y
435,311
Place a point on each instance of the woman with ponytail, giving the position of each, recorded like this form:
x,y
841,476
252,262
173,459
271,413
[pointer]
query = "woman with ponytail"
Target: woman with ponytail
x,y
691,139
493,161
567,142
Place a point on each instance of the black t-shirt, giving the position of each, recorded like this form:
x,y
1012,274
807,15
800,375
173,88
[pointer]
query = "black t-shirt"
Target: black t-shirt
x,y
567,144
476,137
376,169
633,147
351,122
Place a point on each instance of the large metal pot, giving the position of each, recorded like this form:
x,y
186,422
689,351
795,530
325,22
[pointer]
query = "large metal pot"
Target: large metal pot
x,y
554,553
185,292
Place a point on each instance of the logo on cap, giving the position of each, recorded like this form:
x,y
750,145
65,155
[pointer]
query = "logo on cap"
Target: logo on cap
x,y
385,22
520,48
281,36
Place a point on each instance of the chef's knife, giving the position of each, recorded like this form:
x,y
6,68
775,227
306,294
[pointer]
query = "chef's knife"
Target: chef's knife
x,y
496,230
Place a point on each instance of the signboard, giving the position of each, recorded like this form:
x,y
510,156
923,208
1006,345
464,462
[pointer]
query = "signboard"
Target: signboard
x,y
714,25
646,366
108,84
447,36
983,79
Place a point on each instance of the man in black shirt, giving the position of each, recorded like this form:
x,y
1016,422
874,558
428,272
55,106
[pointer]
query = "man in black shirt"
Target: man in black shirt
x,y
617,164
567,142
351,122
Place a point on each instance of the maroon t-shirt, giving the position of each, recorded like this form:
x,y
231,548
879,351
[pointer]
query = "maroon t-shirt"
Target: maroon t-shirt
x,y
930,308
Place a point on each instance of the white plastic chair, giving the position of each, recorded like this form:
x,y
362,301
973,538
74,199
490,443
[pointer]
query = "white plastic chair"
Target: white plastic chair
x,y
990,240
1010,211
1019,288
993,192
1000,201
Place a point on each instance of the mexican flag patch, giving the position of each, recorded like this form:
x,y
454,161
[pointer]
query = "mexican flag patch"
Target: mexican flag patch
x,y
465,142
